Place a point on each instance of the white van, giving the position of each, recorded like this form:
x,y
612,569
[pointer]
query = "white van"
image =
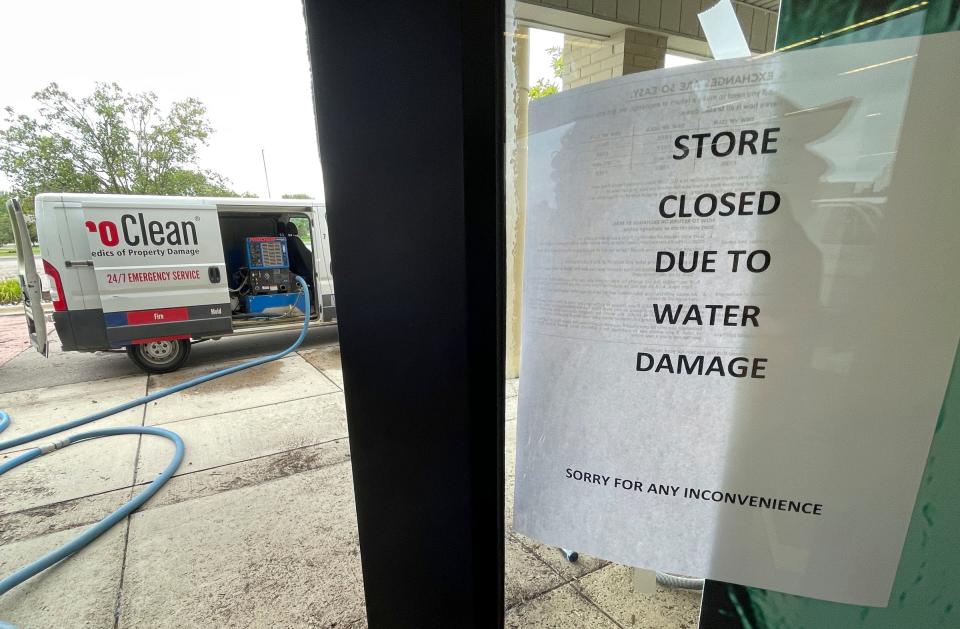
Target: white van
x,y
154,274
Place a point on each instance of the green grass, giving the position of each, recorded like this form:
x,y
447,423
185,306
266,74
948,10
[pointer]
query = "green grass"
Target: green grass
x,y
9,291
9,251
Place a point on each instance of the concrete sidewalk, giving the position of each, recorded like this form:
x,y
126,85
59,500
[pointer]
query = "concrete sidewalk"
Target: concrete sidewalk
x,y
258,528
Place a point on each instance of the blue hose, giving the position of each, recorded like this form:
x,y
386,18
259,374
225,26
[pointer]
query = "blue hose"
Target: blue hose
x,y
135,503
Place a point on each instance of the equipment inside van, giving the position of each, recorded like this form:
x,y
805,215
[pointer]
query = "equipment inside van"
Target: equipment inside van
x,y
153,274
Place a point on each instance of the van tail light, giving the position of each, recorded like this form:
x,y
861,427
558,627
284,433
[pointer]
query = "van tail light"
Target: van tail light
x,y
57,295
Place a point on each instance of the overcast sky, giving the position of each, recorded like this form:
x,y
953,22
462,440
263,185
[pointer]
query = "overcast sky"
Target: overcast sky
x,y
245,59
540,42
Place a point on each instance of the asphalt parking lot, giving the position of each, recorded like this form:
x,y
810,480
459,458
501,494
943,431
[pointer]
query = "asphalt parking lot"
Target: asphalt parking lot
x,y
258,527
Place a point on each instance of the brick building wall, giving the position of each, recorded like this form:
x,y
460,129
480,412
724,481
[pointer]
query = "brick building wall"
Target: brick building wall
x,y
588,61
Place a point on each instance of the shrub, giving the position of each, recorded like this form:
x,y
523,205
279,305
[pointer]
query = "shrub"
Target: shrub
x,y
9,291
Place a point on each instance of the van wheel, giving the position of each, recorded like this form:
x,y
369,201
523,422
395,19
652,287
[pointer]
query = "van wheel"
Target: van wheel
x,y
160,356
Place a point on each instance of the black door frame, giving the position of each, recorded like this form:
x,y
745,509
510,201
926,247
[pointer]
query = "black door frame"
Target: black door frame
x,y
409,100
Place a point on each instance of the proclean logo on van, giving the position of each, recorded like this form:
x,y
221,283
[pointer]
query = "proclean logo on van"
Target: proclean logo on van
x,y
148,233
137,231
150,258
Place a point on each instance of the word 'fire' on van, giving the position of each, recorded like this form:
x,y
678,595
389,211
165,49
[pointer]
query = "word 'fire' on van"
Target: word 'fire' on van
x,y
154,274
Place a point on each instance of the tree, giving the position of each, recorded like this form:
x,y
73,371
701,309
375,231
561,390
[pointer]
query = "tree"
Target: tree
x,y
297,195
6,225
6,229
544,87
107,142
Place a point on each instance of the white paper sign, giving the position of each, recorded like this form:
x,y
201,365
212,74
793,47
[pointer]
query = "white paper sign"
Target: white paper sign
x,y
723,31
740,311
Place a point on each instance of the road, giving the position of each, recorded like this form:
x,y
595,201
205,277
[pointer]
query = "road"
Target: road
x,y
8,266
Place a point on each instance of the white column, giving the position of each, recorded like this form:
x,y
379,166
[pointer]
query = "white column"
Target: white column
x,y
518,86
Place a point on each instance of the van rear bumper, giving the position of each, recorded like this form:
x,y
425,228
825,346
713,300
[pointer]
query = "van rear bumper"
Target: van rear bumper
x,y
87,330
81,330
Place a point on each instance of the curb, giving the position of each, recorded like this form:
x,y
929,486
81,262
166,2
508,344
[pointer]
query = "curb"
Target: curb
x,y
17,309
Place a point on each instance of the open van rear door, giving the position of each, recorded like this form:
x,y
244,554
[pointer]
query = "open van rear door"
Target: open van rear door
x,y
29,279
159,269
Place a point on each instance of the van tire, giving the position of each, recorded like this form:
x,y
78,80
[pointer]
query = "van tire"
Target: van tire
x,y
160,356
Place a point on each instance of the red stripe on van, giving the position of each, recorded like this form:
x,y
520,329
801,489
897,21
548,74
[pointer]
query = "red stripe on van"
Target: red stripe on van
x,y
163,315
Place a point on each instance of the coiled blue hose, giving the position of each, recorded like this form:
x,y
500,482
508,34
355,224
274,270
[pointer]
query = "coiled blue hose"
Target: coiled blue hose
x,y
106,523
